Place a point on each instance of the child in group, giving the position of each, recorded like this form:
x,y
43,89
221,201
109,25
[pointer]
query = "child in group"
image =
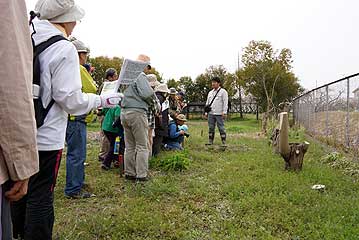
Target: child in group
x,y
112,131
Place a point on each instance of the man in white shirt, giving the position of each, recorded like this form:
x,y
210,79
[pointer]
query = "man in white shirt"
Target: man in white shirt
x,y
217,101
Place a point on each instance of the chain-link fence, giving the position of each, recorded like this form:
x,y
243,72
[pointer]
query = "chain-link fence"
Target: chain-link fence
x,y
331,113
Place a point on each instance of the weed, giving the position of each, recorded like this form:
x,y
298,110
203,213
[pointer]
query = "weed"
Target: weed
x,y
176,161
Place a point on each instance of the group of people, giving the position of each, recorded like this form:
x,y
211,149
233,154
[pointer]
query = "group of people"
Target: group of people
x,y
145,119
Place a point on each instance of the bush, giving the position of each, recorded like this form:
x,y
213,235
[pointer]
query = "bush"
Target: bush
x,y
176,161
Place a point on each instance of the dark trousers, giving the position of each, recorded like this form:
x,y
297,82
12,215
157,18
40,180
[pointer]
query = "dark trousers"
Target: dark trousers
x,y
33,216
110,156
157,144
5,213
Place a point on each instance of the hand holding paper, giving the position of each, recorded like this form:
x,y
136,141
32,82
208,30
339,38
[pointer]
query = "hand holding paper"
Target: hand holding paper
x,y
111,100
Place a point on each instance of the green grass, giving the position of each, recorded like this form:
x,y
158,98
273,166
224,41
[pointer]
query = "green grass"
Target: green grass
x,y
242,193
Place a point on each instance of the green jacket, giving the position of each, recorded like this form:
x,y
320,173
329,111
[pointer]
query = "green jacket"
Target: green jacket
x,y
88,86
111,114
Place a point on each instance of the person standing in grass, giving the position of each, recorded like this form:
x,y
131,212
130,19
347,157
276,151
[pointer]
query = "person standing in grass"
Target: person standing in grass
x,y
138,98
162,120
217,100
110,76
112,132
60,92
18,153
76,133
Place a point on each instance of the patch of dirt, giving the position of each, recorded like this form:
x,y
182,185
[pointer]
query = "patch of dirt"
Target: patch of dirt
x,y
94,136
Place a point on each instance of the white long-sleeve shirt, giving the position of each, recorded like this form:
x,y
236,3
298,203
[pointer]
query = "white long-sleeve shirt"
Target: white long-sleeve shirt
x,y
220,104
61,81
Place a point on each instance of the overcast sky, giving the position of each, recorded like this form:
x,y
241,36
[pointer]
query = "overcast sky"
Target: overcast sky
x,y
185,37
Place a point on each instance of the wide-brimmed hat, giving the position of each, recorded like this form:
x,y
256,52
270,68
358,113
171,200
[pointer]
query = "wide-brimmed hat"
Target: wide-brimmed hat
x,y
152,79
80,46
173,91
162,88
181,117
144,58
59,11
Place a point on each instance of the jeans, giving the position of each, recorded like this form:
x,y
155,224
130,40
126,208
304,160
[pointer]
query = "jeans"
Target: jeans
x,y
212,120
135,124
33,215
76,156
171,145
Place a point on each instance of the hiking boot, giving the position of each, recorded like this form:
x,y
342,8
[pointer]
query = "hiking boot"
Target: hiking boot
x,y
116,164
144,179
104,167
80,195
130,178
223,138
210,139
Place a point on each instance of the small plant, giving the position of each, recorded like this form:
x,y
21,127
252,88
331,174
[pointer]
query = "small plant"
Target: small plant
x,y
332,157
177,161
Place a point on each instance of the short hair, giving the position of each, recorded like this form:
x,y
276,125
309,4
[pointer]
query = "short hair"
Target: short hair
x,y
216,79
110,73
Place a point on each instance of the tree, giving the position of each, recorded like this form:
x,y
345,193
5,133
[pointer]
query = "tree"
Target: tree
x,y
101,64
172,83
268,76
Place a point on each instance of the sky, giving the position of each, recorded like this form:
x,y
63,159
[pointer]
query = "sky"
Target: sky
x,y
185,37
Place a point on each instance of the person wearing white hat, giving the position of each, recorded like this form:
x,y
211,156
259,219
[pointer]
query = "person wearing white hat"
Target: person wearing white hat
x,y
162,120
151,113
60,92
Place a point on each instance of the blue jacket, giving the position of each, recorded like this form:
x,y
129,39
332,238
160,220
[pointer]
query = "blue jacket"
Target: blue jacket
x,y
173,132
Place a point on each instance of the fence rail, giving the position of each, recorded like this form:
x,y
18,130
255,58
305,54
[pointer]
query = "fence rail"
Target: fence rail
x,y
331,112
235,106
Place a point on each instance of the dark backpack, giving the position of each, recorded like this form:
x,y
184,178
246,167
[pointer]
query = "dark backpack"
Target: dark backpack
x,y
40,111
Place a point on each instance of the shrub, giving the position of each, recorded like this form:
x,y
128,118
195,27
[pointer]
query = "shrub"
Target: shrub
x,y
177,161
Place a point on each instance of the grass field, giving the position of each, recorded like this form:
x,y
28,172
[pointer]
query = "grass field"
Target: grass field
x,y
242,193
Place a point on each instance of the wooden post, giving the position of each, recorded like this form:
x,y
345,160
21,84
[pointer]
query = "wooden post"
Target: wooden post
x,y
293,153
284,134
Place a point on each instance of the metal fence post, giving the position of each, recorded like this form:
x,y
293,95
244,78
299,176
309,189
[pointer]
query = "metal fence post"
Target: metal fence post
x,y
348,109
327,112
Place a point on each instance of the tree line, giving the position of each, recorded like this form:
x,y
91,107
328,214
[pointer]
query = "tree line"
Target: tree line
x,y
265,73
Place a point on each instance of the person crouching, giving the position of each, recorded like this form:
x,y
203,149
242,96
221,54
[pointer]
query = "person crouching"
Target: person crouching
x,y
176,134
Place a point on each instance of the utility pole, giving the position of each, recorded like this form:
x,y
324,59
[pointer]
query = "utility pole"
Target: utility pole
x,y
239,91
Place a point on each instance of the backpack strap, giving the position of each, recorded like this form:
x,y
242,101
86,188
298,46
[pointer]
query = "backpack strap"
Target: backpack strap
x,y
39,49
40,112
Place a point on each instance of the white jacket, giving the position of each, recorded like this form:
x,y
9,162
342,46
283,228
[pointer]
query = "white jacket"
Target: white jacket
x,y
220,104
60,80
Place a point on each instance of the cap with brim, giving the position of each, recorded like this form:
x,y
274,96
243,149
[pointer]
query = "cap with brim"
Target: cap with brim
x,y
181,117
162,88
59,11
80,46
173,91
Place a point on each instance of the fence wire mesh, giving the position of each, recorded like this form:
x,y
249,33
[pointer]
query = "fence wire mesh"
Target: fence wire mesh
x,y
331,113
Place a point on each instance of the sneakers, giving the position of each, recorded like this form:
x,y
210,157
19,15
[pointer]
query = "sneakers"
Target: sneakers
x,y
104,167
130,178
80,195
144,179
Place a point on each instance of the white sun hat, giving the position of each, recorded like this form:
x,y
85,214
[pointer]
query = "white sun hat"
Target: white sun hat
x,y
162,88
59,11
